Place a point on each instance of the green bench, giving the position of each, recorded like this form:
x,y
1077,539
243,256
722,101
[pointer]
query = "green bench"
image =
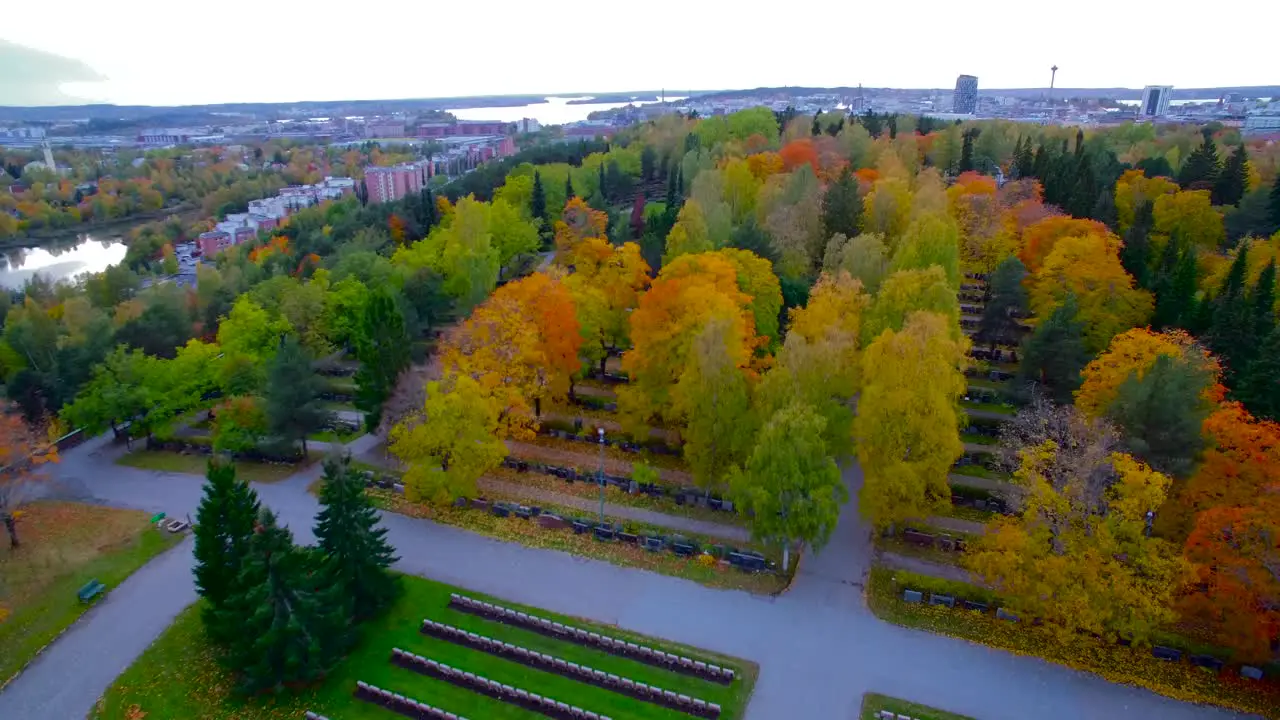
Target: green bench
x,y
91,589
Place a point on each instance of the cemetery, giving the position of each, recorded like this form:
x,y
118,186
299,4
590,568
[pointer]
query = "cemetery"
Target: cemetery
x,y
441,654
883,707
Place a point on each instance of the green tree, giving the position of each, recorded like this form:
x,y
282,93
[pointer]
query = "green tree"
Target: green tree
x,y
714,399
790,488
1200,171
1230,334
931,240
292,396
1229,188
1273,205
816,128
1135,256
224,526
1175,287
538,202
1160,413
569,194
1054,354
1259,388
292,625
382,347
354,545
966,150
842,206
1263,300
451,444
648,158
1007,303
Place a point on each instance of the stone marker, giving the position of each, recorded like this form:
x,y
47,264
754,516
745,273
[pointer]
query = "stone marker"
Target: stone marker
x,y
912,596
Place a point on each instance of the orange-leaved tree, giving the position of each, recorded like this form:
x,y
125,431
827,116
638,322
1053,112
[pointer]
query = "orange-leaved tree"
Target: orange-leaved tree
x,y
1133,189
578,222
22,451
1088,267
606,285
1133,353
1039,239
1235,598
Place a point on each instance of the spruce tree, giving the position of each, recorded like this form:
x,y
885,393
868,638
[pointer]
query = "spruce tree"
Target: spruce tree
x,y
1230,334
1175,287
1263,302
1201,168
1083,194
1017,153
223,528
568,188
1135,256
355,547
430,213
538,200
1040,165
363,194
1273,205
292,395
1006,303
1259,387
966,151
1055,353
382,347
816,129
1233,180
842,206
601,186
1160,414
293,625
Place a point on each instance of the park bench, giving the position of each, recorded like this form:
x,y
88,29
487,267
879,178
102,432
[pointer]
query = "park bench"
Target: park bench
x,y
91,589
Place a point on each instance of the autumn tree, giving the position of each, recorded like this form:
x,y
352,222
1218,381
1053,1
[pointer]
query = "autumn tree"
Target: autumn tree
x,y
864,257
22,453
1039,239
790,486
907,428
689,235
929,241
606,285
578,222
908,291
1082,561
451,444
1007,303
713,398
1088,267
1234,599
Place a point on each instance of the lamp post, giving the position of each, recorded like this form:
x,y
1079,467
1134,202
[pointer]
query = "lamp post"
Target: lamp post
x,y
600,433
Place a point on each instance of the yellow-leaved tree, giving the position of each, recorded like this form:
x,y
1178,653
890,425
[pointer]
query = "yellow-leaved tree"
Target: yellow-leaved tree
x,y
1081,560
908,424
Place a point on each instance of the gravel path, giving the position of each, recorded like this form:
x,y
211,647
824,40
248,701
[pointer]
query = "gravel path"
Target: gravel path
x,y
924,567
587,459
652,517
818,648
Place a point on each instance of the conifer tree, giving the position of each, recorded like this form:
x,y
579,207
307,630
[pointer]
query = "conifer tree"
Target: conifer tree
x,y
430,214
1263,300
1040,165
1201,168
1007,302
1233,180
293,625
1017,155
1259,388
223,528
1230,333
842,206
1273,205
966,150
816,129
568,189
601,186
1135,256
354,545
382,347
292,396
538,201
1055,353
1175,287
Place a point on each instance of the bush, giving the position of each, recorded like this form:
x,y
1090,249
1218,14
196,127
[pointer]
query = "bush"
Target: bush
x,y
971,493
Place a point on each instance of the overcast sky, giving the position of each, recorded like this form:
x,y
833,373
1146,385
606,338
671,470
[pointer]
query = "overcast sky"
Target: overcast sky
x,y
162,52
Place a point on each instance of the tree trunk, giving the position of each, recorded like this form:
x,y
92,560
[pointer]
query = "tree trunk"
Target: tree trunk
x,y
537,407
786,556
604,359
11,524
304,447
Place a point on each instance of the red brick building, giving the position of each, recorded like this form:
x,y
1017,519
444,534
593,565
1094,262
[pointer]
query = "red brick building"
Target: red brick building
x,y
463,128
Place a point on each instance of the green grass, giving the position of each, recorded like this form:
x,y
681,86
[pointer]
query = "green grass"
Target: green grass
x,y
334,436
178,677
998,408
65,546
165,461
964,512
931,553
875,702
979,439
982,471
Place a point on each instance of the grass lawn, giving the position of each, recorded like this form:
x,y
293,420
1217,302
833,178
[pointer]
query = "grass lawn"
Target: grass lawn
x,y
166,461
875,702
979,439
1128,665
963,512
998,408
982,471
933,554
177,677
64,546
334,436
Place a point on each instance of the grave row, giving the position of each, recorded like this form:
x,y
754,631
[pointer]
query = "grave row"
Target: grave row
x,y
890,715
942,541
574,671
398,704
499,691
316,716
681,495
744,560
649,656
1159,652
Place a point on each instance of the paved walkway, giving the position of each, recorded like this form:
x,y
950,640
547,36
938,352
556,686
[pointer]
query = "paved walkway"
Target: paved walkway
x,y
818,648
652,517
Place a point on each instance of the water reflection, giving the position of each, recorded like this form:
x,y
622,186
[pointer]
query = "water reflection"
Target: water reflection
x,y
59,259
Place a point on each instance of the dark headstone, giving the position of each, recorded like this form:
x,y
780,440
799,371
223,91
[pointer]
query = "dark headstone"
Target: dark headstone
x,y
912,596
684,549
480,504
579,527
1166,653
629,538
936,599
1207,662
1003,614
915,537
552,522
523,512
604,534
970,605
500,509
462,502
1253,673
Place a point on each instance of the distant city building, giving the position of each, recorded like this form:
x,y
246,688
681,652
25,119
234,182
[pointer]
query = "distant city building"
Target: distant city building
x,y
384,129
1155,100
163,137
213,242
1261,124
965,100
464,128
387,184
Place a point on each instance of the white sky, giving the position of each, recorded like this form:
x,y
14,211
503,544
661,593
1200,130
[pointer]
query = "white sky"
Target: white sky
x,y
172,52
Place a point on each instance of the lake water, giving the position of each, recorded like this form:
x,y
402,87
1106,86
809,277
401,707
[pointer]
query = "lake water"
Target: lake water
x,y
59,260
555,111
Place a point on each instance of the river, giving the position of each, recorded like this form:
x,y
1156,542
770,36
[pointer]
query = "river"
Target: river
x,y
555,111
60,259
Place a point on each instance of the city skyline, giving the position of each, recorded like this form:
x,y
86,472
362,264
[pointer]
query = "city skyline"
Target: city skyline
x,y
89,61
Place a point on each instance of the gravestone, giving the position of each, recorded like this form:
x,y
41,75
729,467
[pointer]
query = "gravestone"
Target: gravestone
x,y
1166,653
552,522
912,596
915,537
947,600
683,549
500,510
579,527
1251,672
946,542
461,502
727,506
1003,614
523,512
480,504
970,605
629,538
1208,662
604,534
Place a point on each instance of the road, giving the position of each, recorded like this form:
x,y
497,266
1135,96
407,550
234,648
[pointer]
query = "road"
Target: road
x,y
818,647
